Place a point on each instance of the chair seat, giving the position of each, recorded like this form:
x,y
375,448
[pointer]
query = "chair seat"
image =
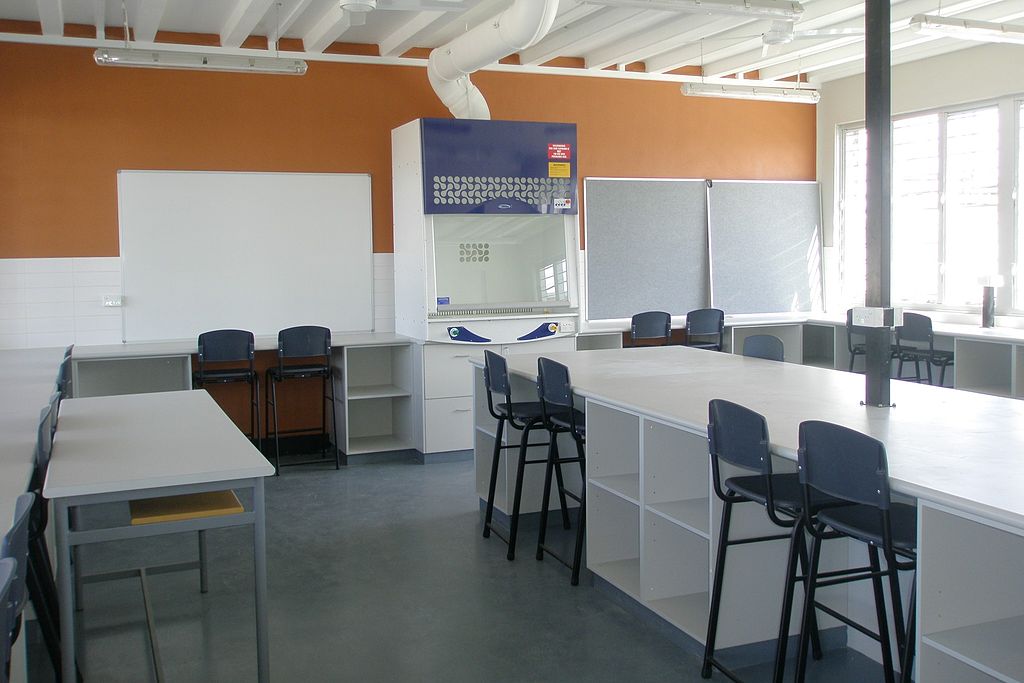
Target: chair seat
x,y
188,506
298,371
562,420
786,492
864,523
704,345
225,375
524,411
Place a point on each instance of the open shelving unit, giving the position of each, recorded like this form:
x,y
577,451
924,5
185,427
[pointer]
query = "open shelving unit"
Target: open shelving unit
x,y
374,398
985,366
791,334
971,602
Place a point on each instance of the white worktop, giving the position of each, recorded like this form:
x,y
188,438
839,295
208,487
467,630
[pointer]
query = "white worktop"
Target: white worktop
x,y
145,441
179,347
959,448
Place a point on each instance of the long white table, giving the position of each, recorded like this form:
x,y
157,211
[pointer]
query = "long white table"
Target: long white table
x,y
653,522
120,448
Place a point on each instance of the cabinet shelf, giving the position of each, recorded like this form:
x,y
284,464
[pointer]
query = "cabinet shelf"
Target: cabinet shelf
x,y
689,613
623,574
376,444
692,514
992,647
623,485
356,393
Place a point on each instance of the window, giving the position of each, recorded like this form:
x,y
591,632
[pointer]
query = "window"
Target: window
x,y
946,197
1018,280
554,282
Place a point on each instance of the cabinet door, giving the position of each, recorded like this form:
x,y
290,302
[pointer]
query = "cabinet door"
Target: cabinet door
x,y
448,424
446,369
541,346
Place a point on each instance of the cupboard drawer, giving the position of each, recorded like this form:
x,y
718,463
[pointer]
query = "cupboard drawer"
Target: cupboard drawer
x,y
446,369
447,424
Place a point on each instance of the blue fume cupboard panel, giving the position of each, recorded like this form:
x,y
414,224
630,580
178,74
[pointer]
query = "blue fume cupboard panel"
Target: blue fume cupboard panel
x,y
514,167
463,186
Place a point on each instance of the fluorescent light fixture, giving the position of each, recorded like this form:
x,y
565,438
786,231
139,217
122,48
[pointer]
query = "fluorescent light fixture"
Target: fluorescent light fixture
x,y
157,59
752,92
967,29
775,9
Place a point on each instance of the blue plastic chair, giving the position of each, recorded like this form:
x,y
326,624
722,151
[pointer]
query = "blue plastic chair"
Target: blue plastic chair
x,y
8,568
222,347
651,328
705,328
766,346
843,463
15,546
918,328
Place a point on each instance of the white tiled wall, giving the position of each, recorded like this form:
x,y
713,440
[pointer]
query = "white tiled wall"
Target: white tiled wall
x,y
59,301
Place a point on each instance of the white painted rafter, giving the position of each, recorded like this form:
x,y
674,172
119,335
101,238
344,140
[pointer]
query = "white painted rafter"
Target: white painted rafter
x,y
278,23
244,17
51,17
559,43
331,26
713,47
665,36
147,21
99,18
409,34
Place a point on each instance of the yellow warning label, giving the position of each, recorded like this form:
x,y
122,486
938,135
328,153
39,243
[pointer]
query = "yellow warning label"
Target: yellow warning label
x,y
558,169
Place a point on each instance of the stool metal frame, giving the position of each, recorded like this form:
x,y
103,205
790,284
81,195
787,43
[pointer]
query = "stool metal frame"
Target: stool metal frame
x,y
560,417
524,416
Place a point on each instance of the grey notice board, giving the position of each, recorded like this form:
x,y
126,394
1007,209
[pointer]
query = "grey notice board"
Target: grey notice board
x,y
255,251
765,241
646,246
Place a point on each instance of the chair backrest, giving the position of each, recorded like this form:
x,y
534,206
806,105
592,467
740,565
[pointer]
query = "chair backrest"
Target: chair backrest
x,y
844,463
766,346
8,568
651,325
218,346
68,350
496,381
705,321
739,436
64,376
304,341
15,546
915,328
555,391
44,442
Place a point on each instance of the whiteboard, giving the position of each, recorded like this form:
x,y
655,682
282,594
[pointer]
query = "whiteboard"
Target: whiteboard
x,y
646,246
255,251
765,246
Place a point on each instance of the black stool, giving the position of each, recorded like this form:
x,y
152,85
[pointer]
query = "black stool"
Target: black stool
x,y
560,417
846,464
739,436
231,346
308,343
524,416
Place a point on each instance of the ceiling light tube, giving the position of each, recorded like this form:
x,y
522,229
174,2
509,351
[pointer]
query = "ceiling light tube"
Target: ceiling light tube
x,y
753,92
775,9
967,29
157,59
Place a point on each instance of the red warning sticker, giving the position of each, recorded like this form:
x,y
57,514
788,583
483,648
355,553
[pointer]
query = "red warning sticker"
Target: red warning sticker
x,y
558,151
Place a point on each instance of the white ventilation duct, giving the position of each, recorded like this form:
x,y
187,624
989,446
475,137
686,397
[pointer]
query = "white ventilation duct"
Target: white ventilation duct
x,y
517,28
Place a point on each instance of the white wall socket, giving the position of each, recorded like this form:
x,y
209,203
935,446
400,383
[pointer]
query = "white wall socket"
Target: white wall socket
x,y
111,300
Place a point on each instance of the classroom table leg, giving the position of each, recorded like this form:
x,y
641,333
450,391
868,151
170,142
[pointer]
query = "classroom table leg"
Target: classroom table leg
x,y
260,564
66,591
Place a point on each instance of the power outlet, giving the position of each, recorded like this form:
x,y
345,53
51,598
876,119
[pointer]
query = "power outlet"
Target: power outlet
x,y
111,300
567,326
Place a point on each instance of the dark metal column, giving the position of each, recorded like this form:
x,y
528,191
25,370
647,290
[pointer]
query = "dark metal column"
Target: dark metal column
x,y
878,113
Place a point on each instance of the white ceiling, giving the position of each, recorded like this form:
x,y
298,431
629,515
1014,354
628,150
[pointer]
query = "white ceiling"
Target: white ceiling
x,y
602,36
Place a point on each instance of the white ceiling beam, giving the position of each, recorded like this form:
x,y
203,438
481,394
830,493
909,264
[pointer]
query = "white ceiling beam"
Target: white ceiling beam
x,y
244,17
711,48
51,17
334,22
456,24
835,53
147,21
99,18
278,25
559,42
909,53
409,34
799,48
661,38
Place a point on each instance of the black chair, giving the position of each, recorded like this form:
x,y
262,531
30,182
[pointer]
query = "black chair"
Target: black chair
x,y
523,416
843,463
14,546
64,374
739,436
861,348
918,328
650,328
8,567
560,417
221,347
312,345
766,346
705,328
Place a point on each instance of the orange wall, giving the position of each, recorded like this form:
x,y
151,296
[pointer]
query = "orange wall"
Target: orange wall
x,y
67,126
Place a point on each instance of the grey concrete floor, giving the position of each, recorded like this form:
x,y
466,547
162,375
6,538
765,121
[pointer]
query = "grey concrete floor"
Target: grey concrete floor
x,y
378,572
